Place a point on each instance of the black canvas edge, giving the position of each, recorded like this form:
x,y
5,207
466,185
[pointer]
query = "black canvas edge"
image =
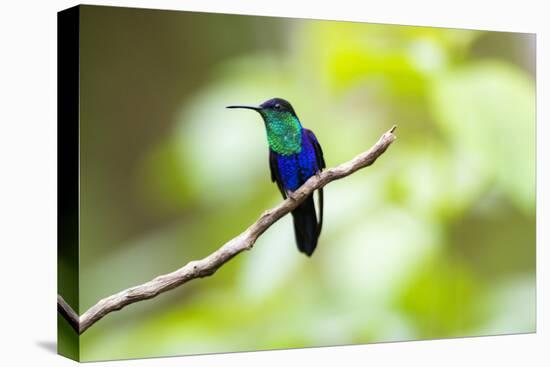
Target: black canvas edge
x,y
68,215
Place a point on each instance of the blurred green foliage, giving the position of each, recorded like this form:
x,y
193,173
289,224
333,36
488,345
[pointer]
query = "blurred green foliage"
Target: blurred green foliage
x,y
437,239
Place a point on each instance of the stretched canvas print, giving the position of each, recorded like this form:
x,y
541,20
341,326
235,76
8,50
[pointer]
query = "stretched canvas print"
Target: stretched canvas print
x,y
237,183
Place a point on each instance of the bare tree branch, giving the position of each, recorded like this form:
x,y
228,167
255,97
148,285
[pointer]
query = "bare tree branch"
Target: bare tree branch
x,y
208,265
68,313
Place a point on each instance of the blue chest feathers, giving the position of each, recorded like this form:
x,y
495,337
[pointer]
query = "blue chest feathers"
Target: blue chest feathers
x,y
295,169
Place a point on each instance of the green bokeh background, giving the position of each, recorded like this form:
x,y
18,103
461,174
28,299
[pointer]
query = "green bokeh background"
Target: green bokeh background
x,y
436,240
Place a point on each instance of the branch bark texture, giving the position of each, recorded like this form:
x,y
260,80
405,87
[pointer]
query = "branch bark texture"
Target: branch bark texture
x,y
211,263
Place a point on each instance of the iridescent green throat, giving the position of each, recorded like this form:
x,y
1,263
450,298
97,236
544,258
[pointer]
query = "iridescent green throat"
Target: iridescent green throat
x,y
284,132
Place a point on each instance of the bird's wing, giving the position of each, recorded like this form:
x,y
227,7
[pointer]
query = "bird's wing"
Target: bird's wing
x,y
320,164
275,175
317,147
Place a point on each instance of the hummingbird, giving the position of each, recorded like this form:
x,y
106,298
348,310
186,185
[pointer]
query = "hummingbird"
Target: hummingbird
x,y
294,156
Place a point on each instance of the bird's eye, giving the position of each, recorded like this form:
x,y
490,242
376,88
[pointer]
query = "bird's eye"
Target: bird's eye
x,y
277,106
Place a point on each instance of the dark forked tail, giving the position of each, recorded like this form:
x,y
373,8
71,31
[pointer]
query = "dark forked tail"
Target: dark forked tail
x,y
306,227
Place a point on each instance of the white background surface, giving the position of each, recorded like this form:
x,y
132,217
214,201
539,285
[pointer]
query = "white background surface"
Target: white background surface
x,y
28,183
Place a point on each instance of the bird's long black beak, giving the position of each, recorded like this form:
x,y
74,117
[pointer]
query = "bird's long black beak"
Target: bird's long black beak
x,y
255,108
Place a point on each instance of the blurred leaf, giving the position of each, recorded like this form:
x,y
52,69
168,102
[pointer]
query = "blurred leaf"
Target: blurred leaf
x,y
514,305
163,180
443,299
487,110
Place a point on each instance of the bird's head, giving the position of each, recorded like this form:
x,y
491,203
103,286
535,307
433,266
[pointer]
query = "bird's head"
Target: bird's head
x,y
272,110
284,131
